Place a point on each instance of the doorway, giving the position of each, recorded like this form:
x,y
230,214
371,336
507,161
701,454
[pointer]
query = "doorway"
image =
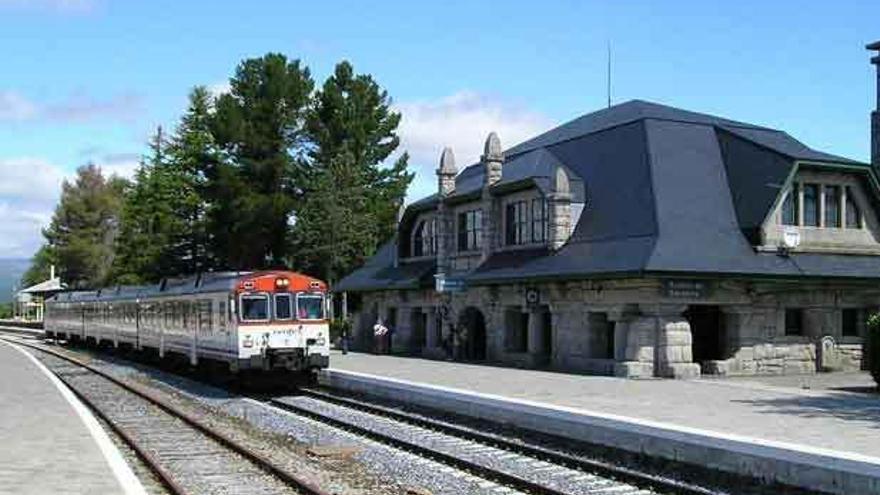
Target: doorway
x,y
707,332
474,324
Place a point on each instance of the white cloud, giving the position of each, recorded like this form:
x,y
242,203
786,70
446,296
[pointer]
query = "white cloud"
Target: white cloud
x,y
29,191
462,121
78,107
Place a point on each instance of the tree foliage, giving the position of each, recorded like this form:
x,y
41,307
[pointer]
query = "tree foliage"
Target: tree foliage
x,y
40,267
84,227
163,231
272,173
259,125
350,200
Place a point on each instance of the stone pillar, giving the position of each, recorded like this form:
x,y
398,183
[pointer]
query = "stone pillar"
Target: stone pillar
x,y
401,342
559,203
658,343
536,346
431,330
493,162
446,185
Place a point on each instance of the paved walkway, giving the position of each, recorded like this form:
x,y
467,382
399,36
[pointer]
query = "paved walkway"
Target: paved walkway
x,y
773,408
50,441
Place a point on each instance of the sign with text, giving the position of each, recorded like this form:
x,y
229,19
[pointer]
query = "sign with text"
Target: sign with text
x,y
444,284
686,289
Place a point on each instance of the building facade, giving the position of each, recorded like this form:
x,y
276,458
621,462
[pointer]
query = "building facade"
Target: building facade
x,y
640,240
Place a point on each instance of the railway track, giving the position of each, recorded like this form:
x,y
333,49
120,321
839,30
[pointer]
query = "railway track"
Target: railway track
x,y
526,468
506,465
186,454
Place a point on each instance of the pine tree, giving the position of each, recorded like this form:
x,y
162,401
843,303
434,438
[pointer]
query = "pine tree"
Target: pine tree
x,y
40,266
353,131
84,227
259,126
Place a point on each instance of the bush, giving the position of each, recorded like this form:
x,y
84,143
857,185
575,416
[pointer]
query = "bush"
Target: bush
x,y
872,346
5,311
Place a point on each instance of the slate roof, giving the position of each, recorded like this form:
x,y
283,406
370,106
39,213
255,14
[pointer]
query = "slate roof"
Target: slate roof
x,y
670,191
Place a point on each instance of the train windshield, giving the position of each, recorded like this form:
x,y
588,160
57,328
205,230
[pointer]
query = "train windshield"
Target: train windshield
x,y
283,304
310,307
255,307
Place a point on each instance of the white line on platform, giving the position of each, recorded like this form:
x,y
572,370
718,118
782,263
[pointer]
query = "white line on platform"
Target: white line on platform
x,y
672,428
130,483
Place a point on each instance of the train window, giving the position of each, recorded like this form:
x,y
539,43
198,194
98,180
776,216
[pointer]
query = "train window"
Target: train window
x,y
254,307
309,307
221,316
283,307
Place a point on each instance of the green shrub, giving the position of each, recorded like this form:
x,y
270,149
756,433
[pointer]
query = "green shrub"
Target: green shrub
x,y
5,311
872,346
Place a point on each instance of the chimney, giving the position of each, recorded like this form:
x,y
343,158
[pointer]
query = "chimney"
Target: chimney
x,y
493,160
446,173
875,115
445,186
559,202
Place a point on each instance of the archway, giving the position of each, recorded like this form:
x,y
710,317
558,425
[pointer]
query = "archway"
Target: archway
x,y
474,325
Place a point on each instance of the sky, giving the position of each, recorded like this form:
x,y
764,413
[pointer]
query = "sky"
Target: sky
x,y
89,80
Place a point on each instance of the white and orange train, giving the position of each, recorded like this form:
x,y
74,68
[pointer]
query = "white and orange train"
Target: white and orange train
x,y
250,320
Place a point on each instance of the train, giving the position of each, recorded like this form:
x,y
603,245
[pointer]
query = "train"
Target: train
x,y
250,321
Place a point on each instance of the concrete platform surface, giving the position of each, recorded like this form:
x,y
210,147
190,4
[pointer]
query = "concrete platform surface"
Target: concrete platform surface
x,y
50,441
766,427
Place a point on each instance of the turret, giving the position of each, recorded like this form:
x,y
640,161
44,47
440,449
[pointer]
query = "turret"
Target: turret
x,y
559,202
492,161
446,173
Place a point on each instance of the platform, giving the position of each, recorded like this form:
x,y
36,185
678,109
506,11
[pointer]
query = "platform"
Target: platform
x,y
821,438
50,441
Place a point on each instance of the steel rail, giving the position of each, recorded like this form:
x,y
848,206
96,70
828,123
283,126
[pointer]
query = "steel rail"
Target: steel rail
x,y
500,477
618,473
253,456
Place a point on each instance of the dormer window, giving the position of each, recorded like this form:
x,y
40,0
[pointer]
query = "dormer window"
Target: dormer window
x,y
853,214
470,230
425,238
790,207
540,225
517,223
811,205
831,206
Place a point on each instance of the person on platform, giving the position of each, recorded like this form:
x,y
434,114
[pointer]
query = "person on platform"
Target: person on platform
x,y
380,337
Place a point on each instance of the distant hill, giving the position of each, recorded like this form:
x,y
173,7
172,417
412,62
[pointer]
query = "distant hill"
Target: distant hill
x,y
11,271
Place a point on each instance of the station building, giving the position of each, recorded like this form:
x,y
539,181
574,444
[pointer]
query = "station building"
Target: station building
x,y
639,240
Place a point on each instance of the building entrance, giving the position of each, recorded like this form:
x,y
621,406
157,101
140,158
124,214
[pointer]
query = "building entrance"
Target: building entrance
x,y
707,333
474,326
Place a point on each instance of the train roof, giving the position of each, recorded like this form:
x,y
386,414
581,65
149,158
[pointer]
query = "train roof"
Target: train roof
x,y
197,284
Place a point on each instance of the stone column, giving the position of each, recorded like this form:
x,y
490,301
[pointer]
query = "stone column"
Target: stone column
x,y
493,162
674,353
445,186
559,203
536,346
658,343
401,342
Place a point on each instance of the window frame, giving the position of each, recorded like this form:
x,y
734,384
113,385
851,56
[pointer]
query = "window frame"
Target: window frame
x,y
540,225
791,203
855,314
816,208
322,298
241,315
470,230
836,221
852,206
516,221
290,300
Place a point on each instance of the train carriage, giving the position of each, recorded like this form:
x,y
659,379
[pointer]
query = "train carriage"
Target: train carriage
x,y
249,320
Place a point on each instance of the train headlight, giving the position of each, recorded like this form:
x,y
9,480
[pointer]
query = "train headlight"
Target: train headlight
x,y
320,341
282,283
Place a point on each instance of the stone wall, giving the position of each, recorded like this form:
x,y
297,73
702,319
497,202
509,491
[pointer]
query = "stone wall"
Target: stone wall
x,y
650,332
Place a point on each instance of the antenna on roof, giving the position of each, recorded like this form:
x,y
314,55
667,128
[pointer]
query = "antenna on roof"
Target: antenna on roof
x,y
608,73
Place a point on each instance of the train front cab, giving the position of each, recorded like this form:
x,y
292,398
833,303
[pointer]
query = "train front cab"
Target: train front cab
x,y
282,323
